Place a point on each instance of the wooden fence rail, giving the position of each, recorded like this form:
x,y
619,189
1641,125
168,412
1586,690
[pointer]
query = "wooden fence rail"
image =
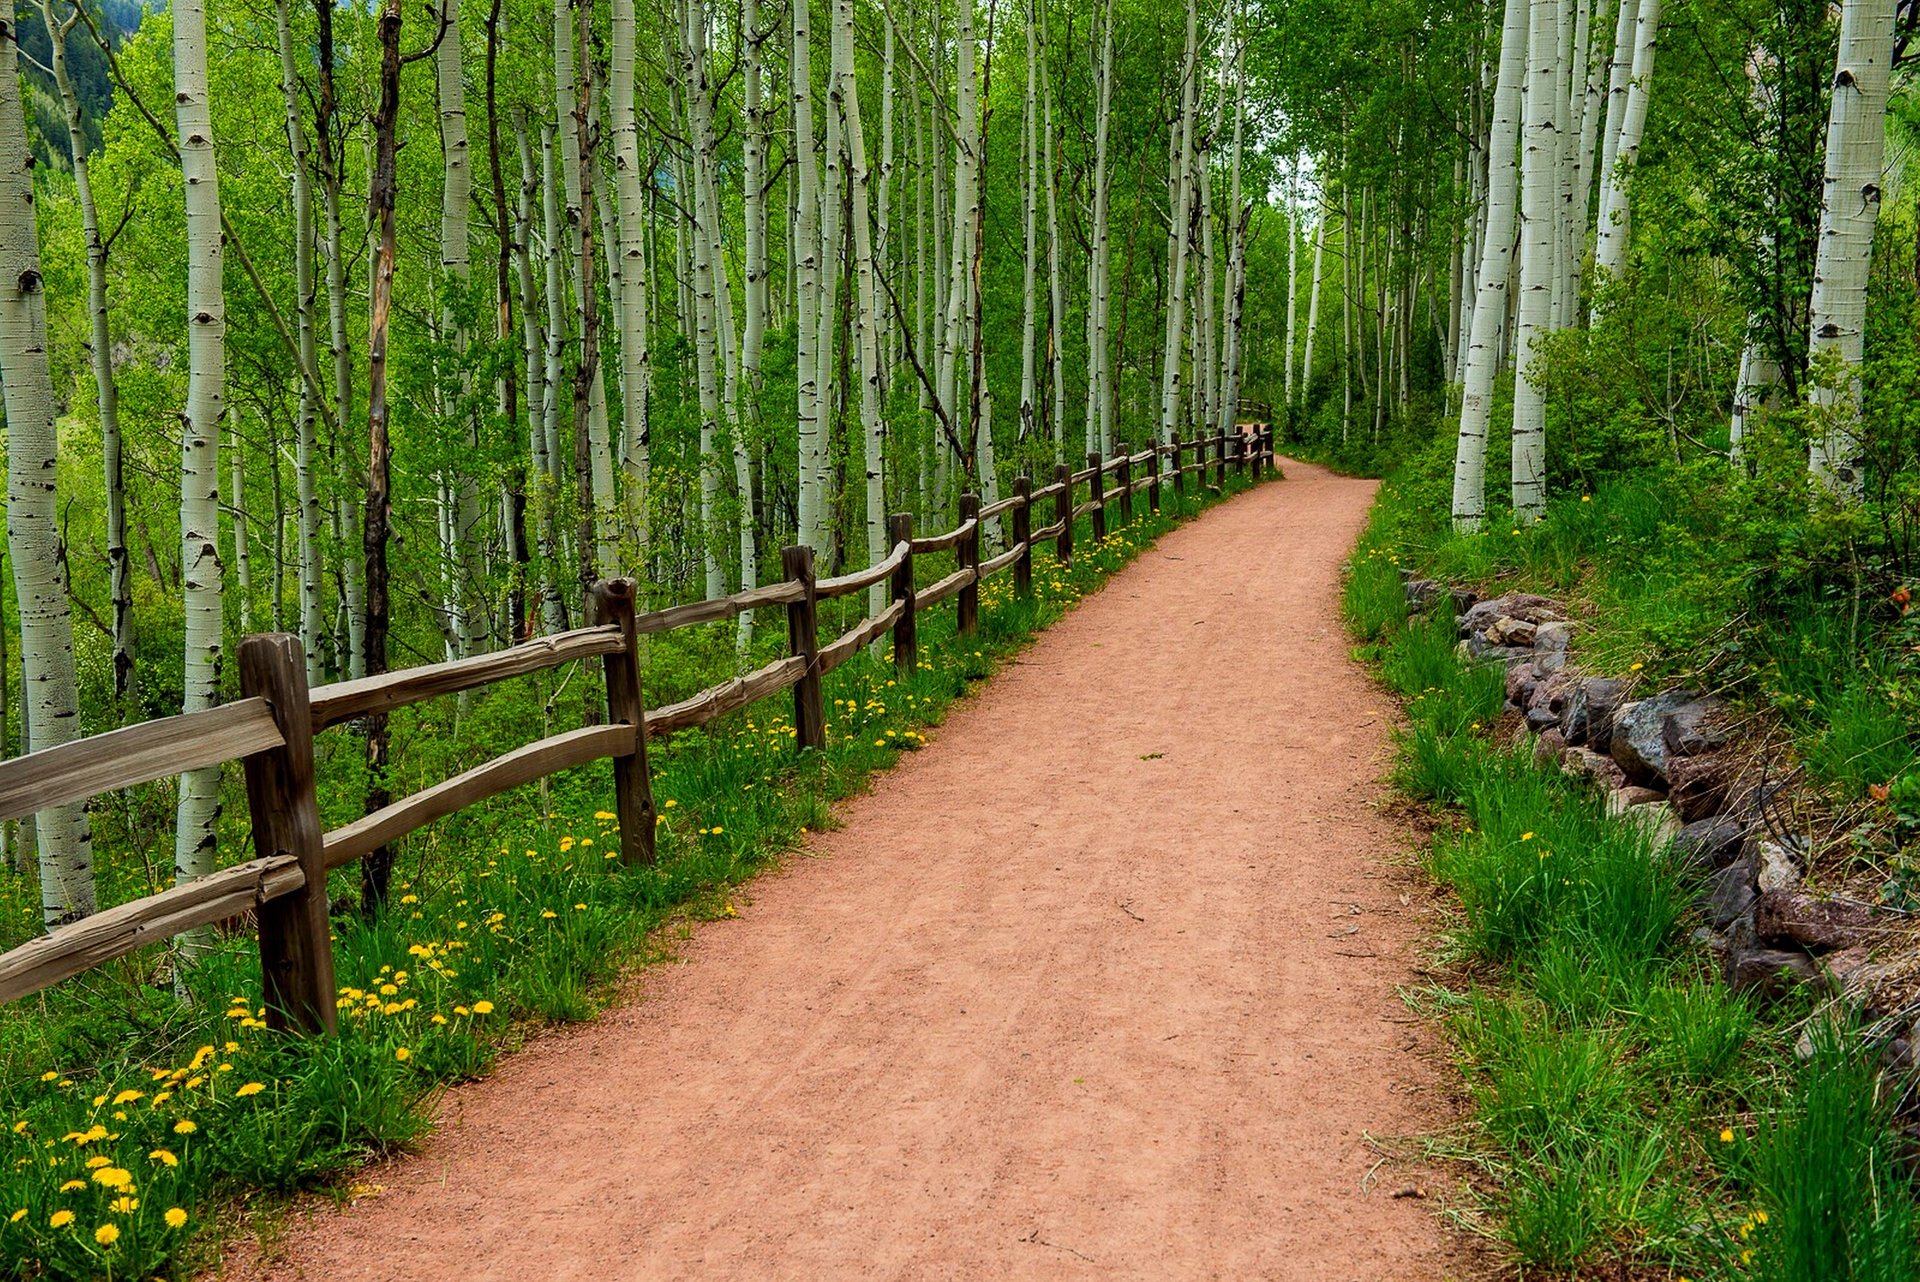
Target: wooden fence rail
x,y
271,728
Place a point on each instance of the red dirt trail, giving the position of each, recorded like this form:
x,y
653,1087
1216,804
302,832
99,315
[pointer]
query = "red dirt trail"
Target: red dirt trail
x,y
1098,985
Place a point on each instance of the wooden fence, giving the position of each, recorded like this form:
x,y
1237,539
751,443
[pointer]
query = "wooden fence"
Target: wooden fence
x,y
271,728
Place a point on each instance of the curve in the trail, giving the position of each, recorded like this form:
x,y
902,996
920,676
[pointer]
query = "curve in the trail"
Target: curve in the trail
x,y
1100,985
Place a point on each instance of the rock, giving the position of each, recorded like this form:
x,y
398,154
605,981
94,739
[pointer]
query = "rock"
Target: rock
x,y
1658,818
1521,678
1788,917
1696,728
1708,843
1588,719
1852,974
1547,748
1480,652
1640,738
1770,973
1540,721
1698,786
1554,636
1511,631
1586,764
1463,600
1524,606
1624,799
1729,893
1423,595
1779,869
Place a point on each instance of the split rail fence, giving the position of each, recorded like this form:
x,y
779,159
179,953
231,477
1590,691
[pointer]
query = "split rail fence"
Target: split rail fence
x,y
271,728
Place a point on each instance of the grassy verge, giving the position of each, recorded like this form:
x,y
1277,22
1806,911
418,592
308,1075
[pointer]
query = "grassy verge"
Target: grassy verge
x,y
139,1127
1631,1117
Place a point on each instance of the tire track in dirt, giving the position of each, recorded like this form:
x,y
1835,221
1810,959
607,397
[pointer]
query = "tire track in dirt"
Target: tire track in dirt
x,y
1101,984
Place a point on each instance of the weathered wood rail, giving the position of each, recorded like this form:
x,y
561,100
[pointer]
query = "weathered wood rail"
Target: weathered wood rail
x,y
271,728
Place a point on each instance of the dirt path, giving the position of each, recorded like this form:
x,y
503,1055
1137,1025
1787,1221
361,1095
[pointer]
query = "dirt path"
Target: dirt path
x,y
1096,986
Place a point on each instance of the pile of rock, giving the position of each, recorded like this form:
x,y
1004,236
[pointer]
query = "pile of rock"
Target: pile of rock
x,y
1666,761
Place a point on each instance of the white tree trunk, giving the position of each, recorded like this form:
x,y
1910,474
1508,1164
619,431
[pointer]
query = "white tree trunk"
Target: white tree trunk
x,y
1610,251
1099,424
1056,280
100,354
806,252
201,571
466,599
1177,231
1031,190
1619,78
51,715
1539,191
1490,305
1849,207
1313,296
873,429
636,366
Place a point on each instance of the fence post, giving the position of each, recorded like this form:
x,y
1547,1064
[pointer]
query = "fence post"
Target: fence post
x,y
1063,513
1220,461
968,553
803,640
296,949
1023,535
1125,478
1179,475
1153,470
1099,496
632,786
906,646
1245,444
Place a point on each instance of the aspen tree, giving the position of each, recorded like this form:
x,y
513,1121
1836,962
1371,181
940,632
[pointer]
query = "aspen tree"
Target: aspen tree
x,y
201,571
1490,305
1849,208
1616,213
51,716
1539,186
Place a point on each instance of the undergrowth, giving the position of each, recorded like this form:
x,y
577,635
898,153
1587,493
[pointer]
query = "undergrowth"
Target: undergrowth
x,y
1631,1116
135,1121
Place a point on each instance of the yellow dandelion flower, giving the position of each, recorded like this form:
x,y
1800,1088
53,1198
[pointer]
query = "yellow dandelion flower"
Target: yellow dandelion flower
x,y
250,1088
113,1177
402,1054
1726,1135
483,1008
107,1234
73,1186
163,1156
124,1205
185,1126
59,1219
175,1217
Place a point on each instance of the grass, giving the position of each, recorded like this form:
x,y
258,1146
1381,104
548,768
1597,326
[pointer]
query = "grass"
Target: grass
x,y
136,1123
1630,1114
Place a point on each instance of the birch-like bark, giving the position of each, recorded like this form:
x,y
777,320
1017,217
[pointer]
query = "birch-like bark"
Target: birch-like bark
x,y
847,96
1849,208
705,283
1313,297
201,572
1616,213
1619,79
330,152
465,602
966,207
100,355
306,486
812,514
540,377
1490,306
1229,385
1539,190
1031,192
51,715
636,365
554,236
1056,280
1099,424
1178,231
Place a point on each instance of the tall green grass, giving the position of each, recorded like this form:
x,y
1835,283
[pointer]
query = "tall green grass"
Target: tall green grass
x,y
1614,1081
